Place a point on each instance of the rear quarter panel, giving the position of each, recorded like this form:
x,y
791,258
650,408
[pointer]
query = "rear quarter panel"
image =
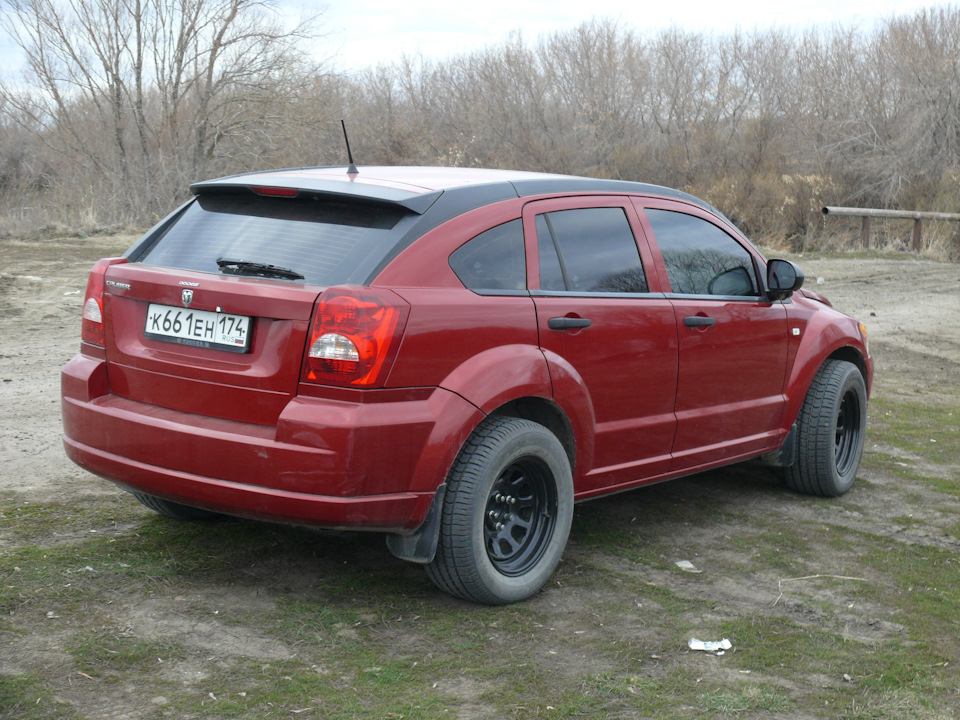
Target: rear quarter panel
x,y
483,347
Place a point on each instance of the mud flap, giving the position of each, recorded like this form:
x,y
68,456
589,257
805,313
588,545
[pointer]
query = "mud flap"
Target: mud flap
x,y
786,455
421,545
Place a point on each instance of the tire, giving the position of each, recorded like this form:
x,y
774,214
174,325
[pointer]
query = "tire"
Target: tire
x,y
506,515
175,510
830,432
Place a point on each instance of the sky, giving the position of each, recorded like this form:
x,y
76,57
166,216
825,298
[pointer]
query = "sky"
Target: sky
x,y
368,32
364,33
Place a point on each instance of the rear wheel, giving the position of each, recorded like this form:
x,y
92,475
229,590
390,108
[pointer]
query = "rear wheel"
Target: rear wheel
x,y
175,510
830,431
506,515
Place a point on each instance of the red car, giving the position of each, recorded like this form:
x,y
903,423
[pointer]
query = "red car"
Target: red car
x,y
452,357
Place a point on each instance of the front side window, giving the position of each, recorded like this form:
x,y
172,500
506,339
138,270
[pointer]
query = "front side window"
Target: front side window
x,y
701,258
493,260
590,250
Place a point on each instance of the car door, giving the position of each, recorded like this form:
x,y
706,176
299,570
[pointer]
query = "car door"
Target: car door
x,y
732,340
602,320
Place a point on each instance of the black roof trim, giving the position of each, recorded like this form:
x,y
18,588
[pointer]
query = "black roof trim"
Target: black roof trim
x,y
418,203
458,200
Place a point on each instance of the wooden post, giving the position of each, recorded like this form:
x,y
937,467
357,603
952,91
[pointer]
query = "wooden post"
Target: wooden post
x,y
917,217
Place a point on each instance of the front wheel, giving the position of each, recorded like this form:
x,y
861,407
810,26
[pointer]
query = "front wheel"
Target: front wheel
x,y
830,431
506,515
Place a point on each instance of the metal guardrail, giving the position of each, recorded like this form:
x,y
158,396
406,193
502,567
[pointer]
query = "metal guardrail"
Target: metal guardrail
x,y
868,213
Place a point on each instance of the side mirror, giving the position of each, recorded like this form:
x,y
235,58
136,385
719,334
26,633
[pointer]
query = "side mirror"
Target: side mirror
x,y
783,277
736,281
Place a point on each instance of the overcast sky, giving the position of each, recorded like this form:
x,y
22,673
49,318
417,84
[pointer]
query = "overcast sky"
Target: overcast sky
x,y
365,32
362,33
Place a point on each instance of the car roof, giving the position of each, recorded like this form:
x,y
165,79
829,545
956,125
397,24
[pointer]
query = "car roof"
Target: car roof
x,y
435,194
417,188
414,179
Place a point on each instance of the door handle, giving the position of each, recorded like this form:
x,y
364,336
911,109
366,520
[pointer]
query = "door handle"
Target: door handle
x,y
699,321
567,323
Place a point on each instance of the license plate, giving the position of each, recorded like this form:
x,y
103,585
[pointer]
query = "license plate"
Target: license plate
x,y
199,328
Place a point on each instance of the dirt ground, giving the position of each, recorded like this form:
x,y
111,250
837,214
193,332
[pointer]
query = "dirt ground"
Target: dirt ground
x,y
910,306
42,284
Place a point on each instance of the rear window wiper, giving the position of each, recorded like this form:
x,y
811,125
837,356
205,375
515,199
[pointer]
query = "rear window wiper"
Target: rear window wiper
x,y
256,269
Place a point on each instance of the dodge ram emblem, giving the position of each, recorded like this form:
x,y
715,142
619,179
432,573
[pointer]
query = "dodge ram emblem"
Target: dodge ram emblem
x,y
187,296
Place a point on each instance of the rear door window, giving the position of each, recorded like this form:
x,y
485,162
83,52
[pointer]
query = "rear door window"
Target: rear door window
x,y
589,250
328,242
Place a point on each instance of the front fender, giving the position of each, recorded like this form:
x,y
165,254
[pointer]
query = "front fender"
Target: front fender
x,y
821,338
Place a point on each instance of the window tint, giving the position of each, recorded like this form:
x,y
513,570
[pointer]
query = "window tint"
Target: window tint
x,y
701,258
592,248
493,260
551,274
327,242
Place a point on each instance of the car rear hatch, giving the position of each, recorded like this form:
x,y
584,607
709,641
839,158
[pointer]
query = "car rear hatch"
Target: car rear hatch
x,y
211,311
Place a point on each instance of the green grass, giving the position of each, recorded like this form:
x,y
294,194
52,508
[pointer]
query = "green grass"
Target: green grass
x,y
28,522
752,697
289,688
99,652
882,462
797,653
927,429
785,549
339,629
908,521
25,697
369,640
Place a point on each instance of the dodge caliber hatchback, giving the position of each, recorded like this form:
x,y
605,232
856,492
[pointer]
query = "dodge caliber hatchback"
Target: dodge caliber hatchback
x,y
453,357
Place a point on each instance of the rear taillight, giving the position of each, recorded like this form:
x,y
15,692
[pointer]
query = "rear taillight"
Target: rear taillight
x,y
354,336
92,330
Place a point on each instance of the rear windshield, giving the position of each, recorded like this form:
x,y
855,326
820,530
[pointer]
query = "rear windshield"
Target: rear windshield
x,y
329,242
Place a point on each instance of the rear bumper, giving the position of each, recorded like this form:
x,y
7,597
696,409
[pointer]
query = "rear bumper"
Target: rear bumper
x,y
371,461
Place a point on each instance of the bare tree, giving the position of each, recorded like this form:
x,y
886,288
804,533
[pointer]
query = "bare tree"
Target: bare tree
x,y
148,94
134,99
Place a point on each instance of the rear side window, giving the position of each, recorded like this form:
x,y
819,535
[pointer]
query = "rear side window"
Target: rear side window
x,y
493,260
589,250
329,243
701,258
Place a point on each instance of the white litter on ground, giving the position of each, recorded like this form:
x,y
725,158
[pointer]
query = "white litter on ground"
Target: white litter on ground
x,y
711,646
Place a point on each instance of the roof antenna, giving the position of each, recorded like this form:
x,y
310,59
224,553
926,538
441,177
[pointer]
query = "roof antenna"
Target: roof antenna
x,y
352,170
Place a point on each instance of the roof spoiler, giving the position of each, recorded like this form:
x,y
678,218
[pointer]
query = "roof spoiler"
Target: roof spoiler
x,y
417,203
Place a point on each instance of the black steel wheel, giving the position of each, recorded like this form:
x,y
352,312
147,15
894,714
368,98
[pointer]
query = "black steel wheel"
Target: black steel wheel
x,y
848,438
831,430
506,514
520,517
